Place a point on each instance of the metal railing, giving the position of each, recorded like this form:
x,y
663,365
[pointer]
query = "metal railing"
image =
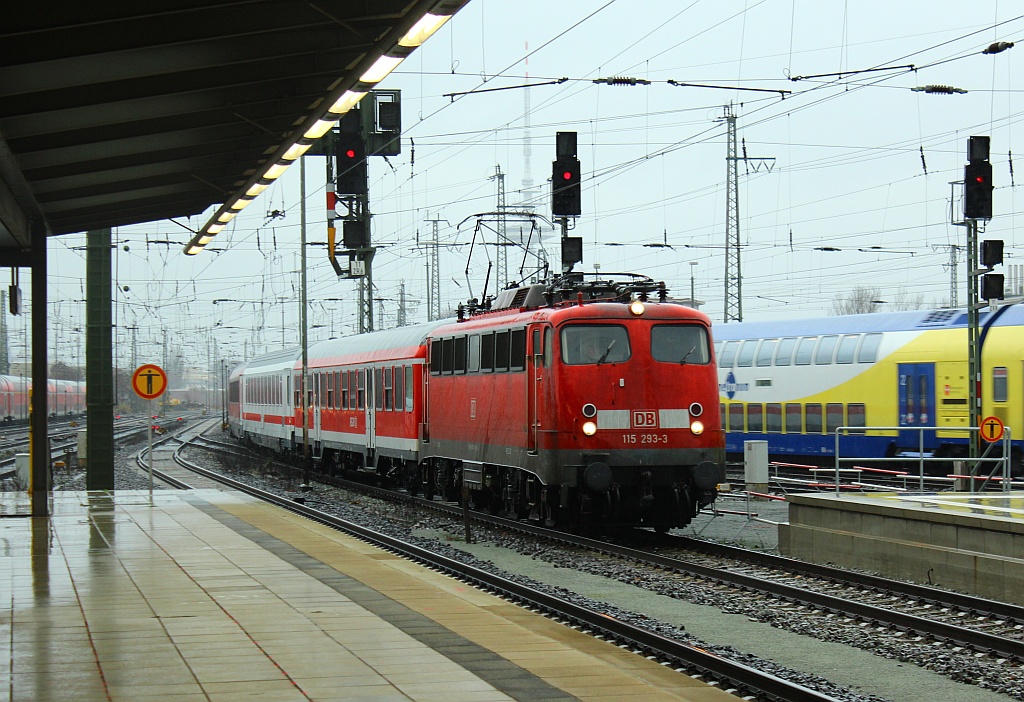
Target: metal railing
x,y
972,467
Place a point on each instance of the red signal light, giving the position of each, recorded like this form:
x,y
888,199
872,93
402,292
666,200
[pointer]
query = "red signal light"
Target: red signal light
x,y
350,153
566,175
979,180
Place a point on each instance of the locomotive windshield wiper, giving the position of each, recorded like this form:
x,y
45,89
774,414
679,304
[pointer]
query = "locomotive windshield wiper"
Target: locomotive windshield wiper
x,y
682,361
606,352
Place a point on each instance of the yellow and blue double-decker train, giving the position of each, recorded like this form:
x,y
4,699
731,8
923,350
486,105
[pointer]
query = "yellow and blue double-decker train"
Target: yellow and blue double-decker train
x,y
793,383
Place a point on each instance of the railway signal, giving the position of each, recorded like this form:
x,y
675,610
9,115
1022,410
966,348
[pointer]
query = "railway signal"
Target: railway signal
x,y
350,152
978,180
565,187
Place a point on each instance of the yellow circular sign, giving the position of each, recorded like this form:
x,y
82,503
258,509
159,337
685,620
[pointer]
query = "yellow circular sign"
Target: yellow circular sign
x,y
149,381
991,429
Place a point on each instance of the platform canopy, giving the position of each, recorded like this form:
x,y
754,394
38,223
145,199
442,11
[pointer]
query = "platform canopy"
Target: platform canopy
x,y
116,112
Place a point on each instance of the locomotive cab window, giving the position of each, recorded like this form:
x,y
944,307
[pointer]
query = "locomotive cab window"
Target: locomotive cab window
x,y
680,343
587,344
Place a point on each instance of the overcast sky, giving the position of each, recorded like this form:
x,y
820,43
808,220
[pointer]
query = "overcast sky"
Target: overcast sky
x,y
862,163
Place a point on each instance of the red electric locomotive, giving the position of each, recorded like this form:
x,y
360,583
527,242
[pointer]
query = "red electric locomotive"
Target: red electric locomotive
x,y
574,403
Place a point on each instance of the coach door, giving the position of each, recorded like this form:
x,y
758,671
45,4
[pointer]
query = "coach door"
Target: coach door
x,y
917,403
371,414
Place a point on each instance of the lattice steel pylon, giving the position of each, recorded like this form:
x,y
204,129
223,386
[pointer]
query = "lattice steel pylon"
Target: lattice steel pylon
x,y
501,276
434,272
733,271
733,276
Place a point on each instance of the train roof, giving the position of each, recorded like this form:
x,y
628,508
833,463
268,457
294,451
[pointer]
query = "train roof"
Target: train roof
x,y
378,345
916,320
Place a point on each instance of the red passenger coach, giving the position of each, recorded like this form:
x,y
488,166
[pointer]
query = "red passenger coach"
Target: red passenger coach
x,y
574,403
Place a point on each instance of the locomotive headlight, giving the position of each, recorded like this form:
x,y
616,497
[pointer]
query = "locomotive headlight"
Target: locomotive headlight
x,y
697,427
589,428
636,307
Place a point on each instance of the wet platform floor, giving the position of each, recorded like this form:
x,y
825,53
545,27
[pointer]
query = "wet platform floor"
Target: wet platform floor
x,y
207,595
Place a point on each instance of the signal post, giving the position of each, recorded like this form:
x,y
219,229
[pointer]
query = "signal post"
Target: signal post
x,y
981,282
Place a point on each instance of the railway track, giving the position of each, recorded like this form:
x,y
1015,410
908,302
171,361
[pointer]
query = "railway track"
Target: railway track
x,y
986,626
738,677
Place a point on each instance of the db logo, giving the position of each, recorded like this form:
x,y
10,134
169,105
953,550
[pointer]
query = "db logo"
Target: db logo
x,y
645,418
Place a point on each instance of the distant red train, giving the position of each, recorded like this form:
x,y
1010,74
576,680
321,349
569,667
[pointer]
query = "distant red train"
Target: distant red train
x,y
577,403
65,397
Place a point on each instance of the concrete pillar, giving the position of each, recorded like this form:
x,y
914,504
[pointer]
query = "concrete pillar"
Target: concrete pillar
x,y
39,425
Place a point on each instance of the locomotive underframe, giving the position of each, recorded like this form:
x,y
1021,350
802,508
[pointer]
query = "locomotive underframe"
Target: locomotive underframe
x,y
654,487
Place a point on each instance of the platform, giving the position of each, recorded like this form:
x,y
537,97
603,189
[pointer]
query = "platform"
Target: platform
x,y
969,542
204,595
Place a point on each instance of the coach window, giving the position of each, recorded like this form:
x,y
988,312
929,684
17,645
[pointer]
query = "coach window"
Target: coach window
x,y
330,390
774,418
378,389
517,350
814,418
868,352
389,390
826,350
399,388
847,348
794,425
804,350
474,353
833,416
460,354
361,396
298,390
745,358
353,393
501,350
856,416
594,343
784,354
728,354
1000,387
487,352
344,390
735,416
680,343
408,388
765,352
755,418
